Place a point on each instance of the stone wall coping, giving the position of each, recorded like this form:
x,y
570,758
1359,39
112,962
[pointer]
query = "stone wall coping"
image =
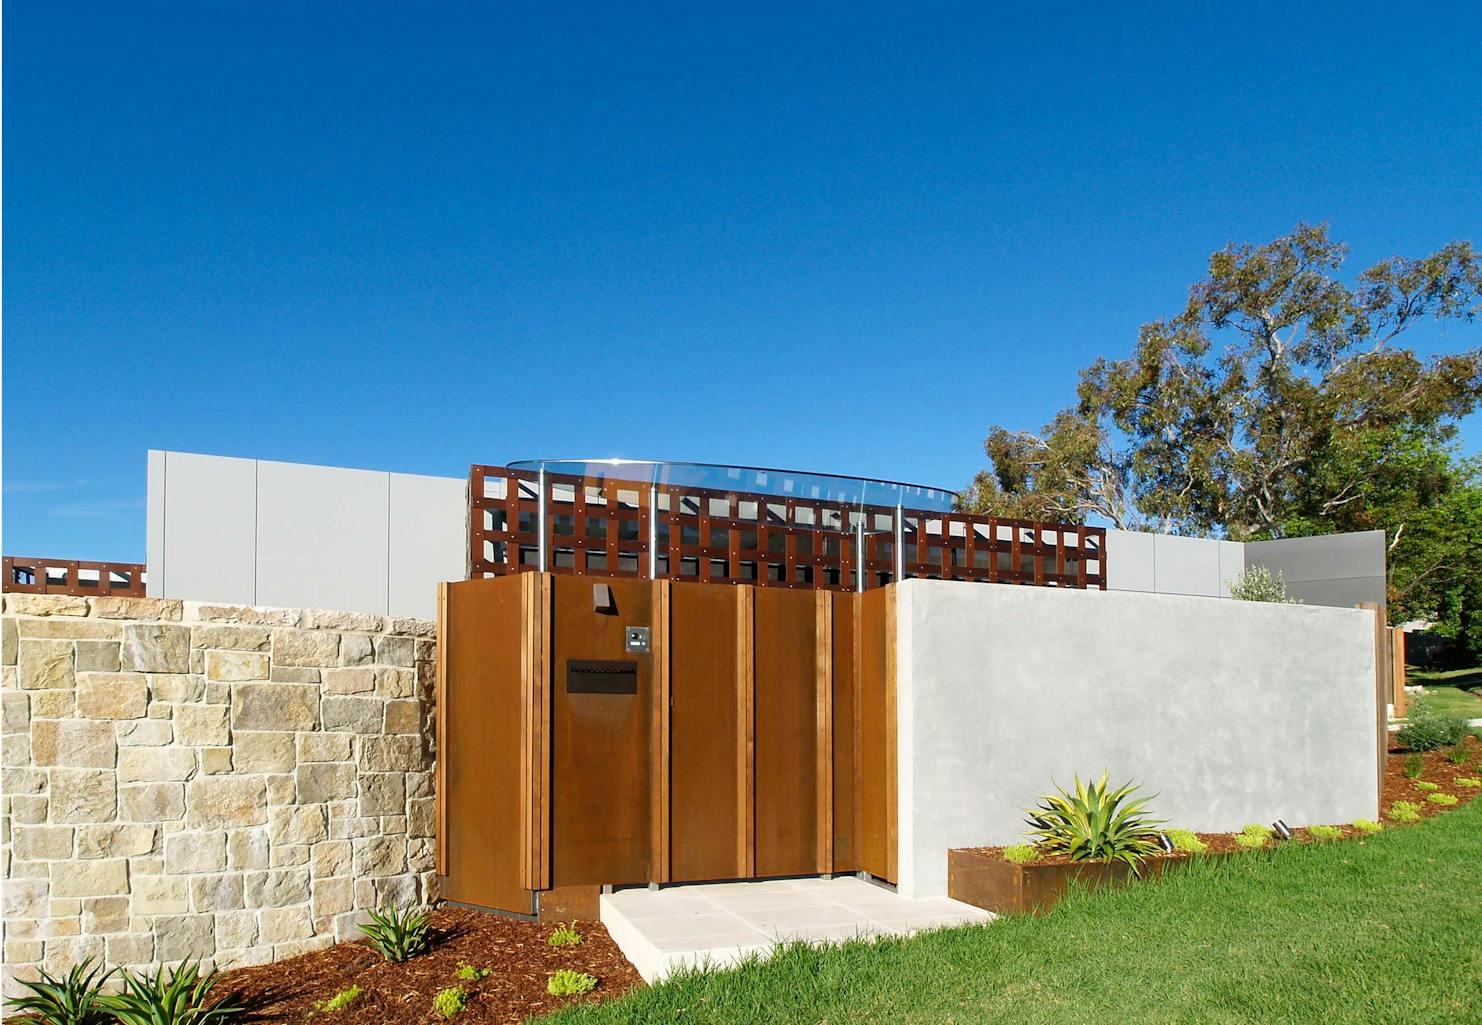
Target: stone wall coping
x,y
173,610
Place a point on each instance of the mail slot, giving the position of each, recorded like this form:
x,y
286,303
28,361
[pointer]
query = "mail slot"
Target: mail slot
x,y
593,676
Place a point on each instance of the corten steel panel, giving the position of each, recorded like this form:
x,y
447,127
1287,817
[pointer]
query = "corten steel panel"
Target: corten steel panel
x,y
786,797
600,743
480,747
876,734
846,842
704,732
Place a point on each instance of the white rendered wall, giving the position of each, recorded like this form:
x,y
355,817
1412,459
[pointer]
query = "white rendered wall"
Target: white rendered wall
x,y
1231,712
258,532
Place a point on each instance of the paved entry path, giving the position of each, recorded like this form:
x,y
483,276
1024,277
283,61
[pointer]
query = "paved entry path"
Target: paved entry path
x,y
720,924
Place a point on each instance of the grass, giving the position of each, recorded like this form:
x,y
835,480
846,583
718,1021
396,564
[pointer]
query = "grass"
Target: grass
x,y
1383,930
1453,691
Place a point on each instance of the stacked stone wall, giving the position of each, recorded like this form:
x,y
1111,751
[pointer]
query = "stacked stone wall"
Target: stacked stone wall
x,y
187,780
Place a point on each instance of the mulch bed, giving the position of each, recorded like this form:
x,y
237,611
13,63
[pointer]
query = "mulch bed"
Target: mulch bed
x,y
1436,768
519,959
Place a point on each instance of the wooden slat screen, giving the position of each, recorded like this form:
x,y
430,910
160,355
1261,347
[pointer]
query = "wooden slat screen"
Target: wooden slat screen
x,y
70,576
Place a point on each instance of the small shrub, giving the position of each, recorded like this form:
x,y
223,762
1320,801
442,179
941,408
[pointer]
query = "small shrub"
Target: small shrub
x,y
1096,823
341,1000
178,997
1429,729
1324,832
1187,840
472,974
1021,853
1426,785
1367,826
1250,841
74,999
1470,782
1259,584
1458,755
567,983
564,936
1404,811
399,933
450,1001
1445,800
1414,766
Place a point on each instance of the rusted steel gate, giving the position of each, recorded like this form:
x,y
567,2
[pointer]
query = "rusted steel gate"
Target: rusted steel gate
x,y
524,521
600,730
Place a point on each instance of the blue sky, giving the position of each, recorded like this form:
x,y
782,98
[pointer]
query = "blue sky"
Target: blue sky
x,y
416,236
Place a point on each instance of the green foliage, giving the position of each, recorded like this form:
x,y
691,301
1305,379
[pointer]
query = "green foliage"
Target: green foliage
x,y
564,936
1187,840
1271,405
1259,584
74,999
1367,826
450,1001
1261,830
399,933
1445,800
1421,784
341,1000
178,997
1096,823
470,973
1414,766
1324,832
1021,853
1470,782
1458,754
568,983
1404,811
1429,729
1250,841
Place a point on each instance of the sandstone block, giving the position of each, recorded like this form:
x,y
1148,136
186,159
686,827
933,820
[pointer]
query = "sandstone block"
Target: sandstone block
x,y
26,898
221,801
178,688
382,793
53,704
115,841
396,683
323,747
356,650
353,715
216,760
235,929
152,802
247,848
17,604
349,681
44,665
217,892
155,764
332,897
232,666
298,825
422,817
97,656
209,612
112,695
180,937
68,629
203,725
277,888
41,842
235,638
379,856
288,855
330,858
28,808
144,733
413,627
305,647
421,856
83,795
256,751
195,851
396,651
99,878
105,914
9,638
74,743
330,619
293,674
118,607
392,754
130,948
277,925
282,789
403,716
160,895
324,781
155,648
15,712
275,706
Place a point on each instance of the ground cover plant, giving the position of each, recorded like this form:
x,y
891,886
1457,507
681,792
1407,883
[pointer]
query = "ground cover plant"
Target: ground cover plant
x,y
567,983
564,936
341,1000
399,933
451,1001
1021,853
1429,727
1301,933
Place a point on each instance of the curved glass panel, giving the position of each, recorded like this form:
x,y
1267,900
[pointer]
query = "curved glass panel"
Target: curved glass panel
x,y
817,487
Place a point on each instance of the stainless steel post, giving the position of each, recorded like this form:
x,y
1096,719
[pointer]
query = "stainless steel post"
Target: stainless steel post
x,y
540,521
653,532
859,552
900,543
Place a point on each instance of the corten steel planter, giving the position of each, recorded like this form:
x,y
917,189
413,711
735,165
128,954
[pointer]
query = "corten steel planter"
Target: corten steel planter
x,y
1009,889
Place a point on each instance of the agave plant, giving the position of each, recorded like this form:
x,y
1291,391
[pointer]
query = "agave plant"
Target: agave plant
x,y
178,997
399,933
75,999
1096,823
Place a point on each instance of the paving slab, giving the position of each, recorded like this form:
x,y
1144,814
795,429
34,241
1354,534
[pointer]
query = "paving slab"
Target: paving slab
x,y
719,925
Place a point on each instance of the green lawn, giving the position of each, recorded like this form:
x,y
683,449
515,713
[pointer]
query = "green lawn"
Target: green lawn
x,y
1385,930
1457,691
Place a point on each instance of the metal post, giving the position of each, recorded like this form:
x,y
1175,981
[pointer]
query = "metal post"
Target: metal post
x,y
859,552
540,521
653,532
900,543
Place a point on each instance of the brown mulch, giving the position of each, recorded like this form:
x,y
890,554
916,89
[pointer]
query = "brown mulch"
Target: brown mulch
x,y
519,959
1436,768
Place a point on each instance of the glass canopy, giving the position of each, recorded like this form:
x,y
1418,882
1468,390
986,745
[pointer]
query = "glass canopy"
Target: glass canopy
x,y
829,487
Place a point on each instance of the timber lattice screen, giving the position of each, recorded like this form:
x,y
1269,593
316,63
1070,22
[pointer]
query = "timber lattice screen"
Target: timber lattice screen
x,y
69,576
600,526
